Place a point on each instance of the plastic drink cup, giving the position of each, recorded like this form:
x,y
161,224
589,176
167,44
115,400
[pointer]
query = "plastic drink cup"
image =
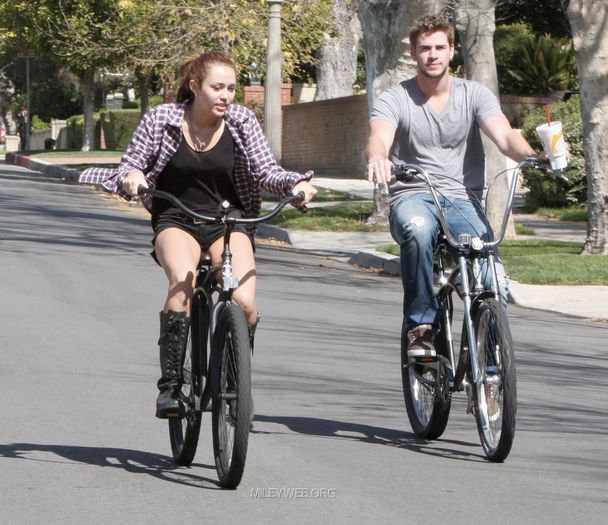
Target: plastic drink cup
x,y
551,135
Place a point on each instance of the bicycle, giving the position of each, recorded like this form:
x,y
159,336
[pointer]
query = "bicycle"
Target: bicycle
x,y
216,368
484,363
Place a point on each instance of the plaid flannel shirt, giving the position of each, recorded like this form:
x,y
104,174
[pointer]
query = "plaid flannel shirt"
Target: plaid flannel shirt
x,y
159,134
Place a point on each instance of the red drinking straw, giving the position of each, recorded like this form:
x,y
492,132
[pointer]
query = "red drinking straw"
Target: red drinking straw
x,y
548,108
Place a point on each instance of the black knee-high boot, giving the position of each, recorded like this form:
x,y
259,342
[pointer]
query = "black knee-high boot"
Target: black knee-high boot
x,y
172,343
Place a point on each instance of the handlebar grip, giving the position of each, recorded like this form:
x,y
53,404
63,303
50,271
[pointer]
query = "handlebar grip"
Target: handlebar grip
x,y
403,174
299,197
141,189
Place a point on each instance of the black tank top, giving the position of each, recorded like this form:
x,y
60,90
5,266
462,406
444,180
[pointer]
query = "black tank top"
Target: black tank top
x,y
201,180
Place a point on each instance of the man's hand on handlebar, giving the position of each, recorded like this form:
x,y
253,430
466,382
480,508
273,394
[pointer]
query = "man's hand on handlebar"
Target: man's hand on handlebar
x,y
379,170
131,183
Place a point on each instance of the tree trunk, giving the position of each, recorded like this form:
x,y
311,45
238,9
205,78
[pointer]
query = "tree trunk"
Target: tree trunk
x,y
386,25
143,81
88,88
588,19
475,22
337,69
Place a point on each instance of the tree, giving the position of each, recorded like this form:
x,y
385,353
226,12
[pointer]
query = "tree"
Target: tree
x,y
589,22
475,23
337,64
76,33
386,26
157,34
152,36
543,16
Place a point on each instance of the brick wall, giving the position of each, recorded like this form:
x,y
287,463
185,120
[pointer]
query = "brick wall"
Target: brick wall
x,y
328,136
254,95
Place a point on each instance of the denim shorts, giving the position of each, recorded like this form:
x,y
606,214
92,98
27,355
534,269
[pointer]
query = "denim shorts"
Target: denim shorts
x,y
205,234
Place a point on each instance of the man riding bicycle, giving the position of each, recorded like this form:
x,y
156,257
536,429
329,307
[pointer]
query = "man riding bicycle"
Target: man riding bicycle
x,y
433,120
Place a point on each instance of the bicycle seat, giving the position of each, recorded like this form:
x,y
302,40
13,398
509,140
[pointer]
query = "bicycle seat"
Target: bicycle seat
x,y
205,259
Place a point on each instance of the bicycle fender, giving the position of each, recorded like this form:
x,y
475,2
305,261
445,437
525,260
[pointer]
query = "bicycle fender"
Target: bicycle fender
x,y
480,298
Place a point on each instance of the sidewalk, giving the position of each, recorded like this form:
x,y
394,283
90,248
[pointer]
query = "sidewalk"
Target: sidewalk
x,y
590,302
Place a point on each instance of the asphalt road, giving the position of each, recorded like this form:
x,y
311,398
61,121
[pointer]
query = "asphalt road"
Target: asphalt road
x,y
79,300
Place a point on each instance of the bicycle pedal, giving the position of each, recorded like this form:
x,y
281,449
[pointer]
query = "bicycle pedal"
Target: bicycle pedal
x,y
169,415
425,359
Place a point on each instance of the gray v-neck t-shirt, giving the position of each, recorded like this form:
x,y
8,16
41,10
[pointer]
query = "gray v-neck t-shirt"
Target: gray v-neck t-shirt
x,y
446,144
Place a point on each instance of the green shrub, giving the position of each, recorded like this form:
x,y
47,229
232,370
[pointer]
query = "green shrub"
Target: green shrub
x,y
544,65
508,41
75,131
38,123
546,189
155,100
118,127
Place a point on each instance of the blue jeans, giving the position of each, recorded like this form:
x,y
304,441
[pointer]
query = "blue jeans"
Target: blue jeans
x,y
414,223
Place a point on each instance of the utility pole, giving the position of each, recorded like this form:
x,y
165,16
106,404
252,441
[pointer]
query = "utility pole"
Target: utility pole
x,y
272,84
27,55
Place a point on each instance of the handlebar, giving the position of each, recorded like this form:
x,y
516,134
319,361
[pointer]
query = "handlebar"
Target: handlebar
x,y
411,172
223,218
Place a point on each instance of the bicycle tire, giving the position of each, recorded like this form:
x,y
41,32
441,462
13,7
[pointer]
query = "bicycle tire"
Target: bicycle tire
x,y
426,389
495,396
184,432
231,407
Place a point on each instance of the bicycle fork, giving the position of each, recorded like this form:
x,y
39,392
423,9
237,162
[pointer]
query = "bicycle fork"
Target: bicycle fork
x,y
468,325
477,377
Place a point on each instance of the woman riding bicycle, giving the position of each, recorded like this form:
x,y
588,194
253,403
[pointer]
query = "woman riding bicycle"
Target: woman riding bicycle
x,y
204,150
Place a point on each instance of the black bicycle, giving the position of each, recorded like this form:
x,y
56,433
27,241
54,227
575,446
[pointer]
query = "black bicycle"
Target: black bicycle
x,y
216,369
483,363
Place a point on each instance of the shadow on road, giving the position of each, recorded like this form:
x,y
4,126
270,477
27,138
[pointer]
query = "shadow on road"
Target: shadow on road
x,y
374,435
132,461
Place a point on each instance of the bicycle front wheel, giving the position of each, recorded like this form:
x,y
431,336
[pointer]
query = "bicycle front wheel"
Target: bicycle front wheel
x,y
184,432
231,409
495,395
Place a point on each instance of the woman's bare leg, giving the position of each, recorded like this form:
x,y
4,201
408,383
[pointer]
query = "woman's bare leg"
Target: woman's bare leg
x,y
178,253
243,266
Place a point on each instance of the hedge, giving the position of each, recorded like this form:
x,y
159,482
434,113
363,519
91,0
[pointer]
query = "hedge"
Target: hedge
x,y
118,127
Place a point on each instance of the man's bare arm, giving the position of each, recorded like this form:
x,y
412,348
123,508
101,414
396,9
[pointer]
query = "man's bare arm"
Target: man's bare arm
x,y
380,140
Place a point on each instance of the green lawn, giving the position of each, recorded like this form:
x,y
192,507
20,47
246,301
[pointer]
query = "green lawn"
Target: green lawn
x,y
350,217
323,195
553,262
547,262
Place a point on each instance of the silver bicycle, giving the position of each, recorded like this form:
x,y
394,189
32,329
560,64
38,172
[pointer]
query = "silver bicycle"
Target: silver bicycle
x,y
483,363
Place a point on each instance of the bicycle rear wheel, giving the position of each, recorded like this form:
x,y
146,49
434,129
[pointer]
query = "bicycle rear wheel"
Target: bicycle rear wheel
x,y
496,395
426,389
231,409
184,432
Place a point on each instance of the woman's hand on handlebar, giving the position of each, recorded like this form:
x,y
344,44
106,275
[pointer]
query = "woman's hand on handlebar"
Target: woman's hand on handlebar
x,y
307,189
379,170
131,183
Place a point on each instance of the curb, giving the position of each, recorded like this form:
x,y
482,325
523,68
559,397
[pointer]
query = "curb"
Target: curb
x,y
267,231
53,170
386,263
